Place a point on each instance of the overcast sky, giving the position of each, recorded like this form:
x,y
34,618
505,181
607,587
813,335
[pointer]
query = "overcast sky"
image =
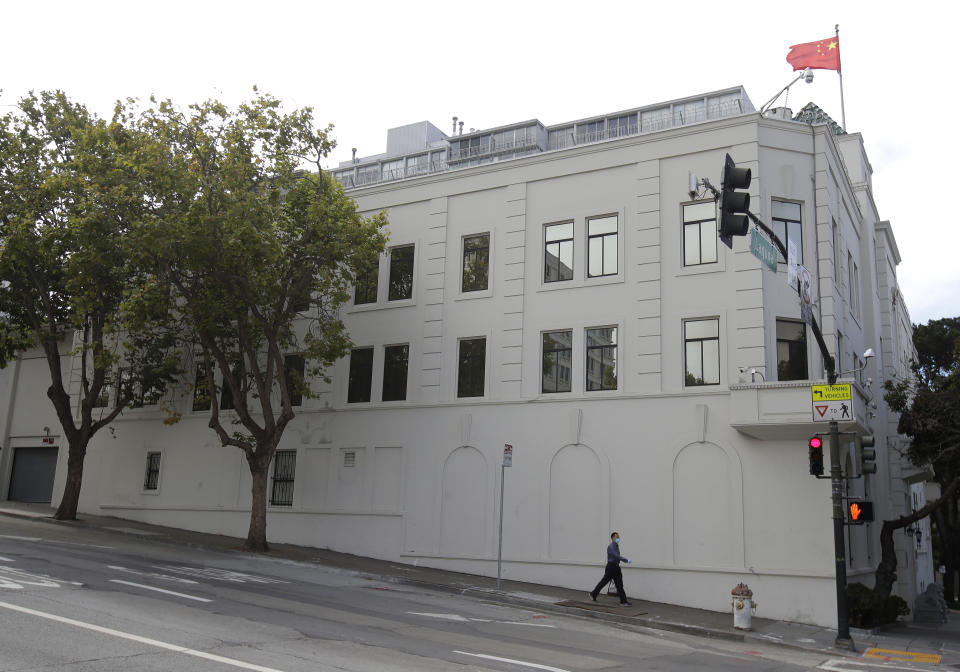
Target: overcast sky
x,y
366,66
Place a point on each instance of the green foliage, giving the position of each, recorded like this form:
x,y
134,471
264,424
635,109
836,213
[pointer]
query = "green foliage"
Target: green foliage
x,y
867,610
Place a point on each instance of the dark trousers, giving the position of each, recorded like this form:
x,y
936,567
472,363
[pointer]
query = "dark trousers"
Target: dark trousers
x,y
612,571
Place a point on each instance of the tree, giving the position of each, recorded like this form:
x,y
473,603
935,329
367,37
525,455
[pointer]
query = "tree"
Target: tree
x,y
929,407
259,254
68,200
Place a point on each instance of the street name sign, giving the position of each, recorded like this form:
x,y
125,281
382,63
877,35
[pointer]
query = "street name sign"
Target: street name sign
x,y
763,249
832,402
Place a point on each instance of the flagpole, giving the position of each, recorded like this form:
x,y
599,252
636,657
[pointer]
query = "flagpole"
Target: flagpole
x,y
843,110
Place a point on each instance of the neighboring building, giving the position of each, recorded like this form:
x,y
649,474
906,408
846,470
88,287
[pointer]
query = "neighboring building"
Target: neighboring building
x,y
559,289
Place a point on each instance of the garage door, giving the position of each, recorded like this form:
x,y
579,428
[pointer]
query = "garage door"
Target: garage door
x,y
33,471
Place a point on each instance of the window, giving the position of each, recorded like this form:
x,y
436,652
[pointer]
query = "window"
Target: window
x,y
281,483
293,366
557,361
601,359
349,459
622,125
365,290
791,350
392,169
558,252
361,375
701,340
476,262
395,362
786,224
591,131
853,279
151,479
602,246
401,273
471,367
699,233
226,394
201,391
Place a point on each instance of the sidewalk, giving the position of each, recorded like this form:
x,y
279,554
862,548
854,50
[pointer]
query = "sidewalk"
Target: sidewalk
x,y
942,640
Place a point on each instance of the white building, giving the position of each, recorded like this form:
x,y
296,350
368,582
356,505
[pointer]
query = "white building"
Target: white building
x,y
558,288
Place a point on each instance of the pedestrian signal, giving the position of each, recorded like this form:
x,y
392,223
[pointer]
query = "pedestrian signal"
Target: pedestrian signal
x,y
859,511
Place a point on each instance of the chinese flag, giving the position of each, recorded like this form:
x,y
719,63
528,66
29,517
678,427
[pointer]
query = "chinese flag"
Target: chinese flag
x,y
824,54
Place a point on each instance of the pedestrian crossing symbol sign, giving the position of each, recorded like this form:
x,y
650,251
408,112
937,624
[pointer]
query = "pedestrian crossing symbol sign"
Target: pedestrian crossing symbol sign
x,y
832,402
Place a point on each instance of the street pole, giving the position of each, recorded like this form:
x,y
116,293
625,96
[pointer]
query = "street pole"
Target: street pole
x,y
503,471
836,485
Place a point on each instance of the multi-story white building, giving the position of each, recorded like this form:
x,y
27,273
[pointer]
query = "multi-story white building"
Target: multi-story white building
x,y
559,289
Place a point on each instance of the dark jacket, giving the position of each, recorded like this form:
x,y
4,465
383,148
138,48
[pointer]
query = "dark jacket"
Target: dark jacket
x,y
613,554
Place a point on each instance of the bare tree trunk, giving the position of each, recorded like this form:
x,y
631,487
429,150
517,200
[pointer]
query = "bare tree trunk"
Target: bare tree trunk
x,y
257,534
71,491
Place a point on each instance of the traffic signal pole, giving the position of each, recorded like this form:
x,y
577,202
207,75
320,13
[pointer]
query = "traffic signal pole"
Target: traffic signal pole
x,y
839,547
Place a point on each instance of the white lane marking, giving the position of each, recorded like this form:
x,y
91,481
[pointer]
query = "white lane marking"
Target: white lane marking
x,y
446,617
160,590
218,574
532,625
52,541
142,640
515,662
3,559
846,665
12,576
16,538
154,575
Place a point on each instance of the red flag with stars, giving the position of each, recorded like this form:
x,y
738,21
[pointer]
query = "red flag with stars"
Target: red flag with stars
x,y
823,54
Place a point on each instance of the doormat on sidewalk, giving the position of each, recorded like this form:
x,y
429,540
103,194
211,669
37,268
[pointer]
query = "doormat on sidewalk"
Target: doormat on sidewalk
x,y
604,607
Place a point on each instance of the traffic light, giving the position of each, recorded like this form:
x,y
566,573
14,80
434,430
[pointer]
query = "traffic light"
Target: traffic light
x,y
859,511
866,455
815,452
734,204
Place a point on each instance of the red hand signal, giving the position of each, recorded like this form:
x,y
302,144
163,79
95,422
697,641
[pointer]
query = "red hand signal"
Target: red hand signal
x,y
854,511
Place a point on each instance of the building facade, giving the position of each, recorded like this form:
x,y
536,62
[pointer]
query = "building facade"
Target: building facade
x,y
562,289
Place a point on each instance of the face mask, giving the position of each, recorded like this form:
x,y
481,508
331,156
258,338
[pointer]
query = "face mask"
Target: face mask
x,y
618,539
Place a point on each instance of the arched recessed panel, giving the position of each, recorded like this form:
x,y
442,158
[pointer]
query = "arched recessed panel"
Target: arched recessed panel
x,y
708,508
575,504
464,503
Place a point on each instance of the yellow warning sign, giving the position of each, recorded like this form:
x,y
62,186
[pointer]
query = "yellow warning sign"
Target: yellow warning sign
x,y
841,392
902,656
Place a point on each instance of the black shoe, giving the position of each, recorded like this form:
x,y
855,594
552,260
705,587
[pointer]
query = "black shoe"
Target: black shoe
x,y
626,604
592,597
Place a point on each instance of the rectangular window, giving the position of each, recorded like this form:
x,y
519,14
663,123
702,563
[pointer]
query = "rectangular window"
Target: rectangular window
x,y
294,366
476,262
361,375
699,233
392,170
853,279
791,350
396,359
557,361
701,340
281,483
151,479
401,273
365,290
558,252
471,367
201,391
602,246
601,359
786,224
226,395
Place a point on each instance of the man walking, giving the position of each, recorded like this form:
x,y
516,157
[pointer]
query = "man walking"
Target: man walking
x,y
612,571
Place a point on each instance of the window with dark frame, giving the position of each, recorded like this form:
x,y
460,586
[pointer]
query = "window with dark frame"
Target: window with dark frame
x,y
699,233
201,391
476,263
701,341
785,222
395,363
361,375
557,361
281,481
401,273
791,350
365,290
226,394
293,366
471,367
602,246
601,359
558,252
151,479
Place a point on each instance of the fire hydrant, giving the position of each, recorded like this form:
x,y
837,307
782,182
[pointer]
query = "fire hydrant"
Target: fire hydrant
x,y
743,605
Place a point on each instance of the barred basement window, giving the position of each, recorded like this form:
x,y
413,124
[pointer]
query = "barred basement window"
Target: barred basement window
x,y
151,479
281,487
349,459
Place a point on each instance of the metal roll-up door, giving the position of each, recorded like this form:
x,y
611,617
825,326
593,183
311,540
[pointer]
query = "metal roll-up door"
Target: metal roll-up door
x,y
33,472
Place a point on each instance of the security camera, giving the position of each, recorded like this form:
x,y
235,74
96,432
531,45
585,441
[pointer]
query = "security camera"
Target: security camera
x,y
808,75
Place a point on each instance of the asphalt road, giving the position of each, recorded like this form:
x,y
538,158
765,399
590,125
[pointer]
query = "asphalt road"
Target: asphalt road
x,y
78,600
